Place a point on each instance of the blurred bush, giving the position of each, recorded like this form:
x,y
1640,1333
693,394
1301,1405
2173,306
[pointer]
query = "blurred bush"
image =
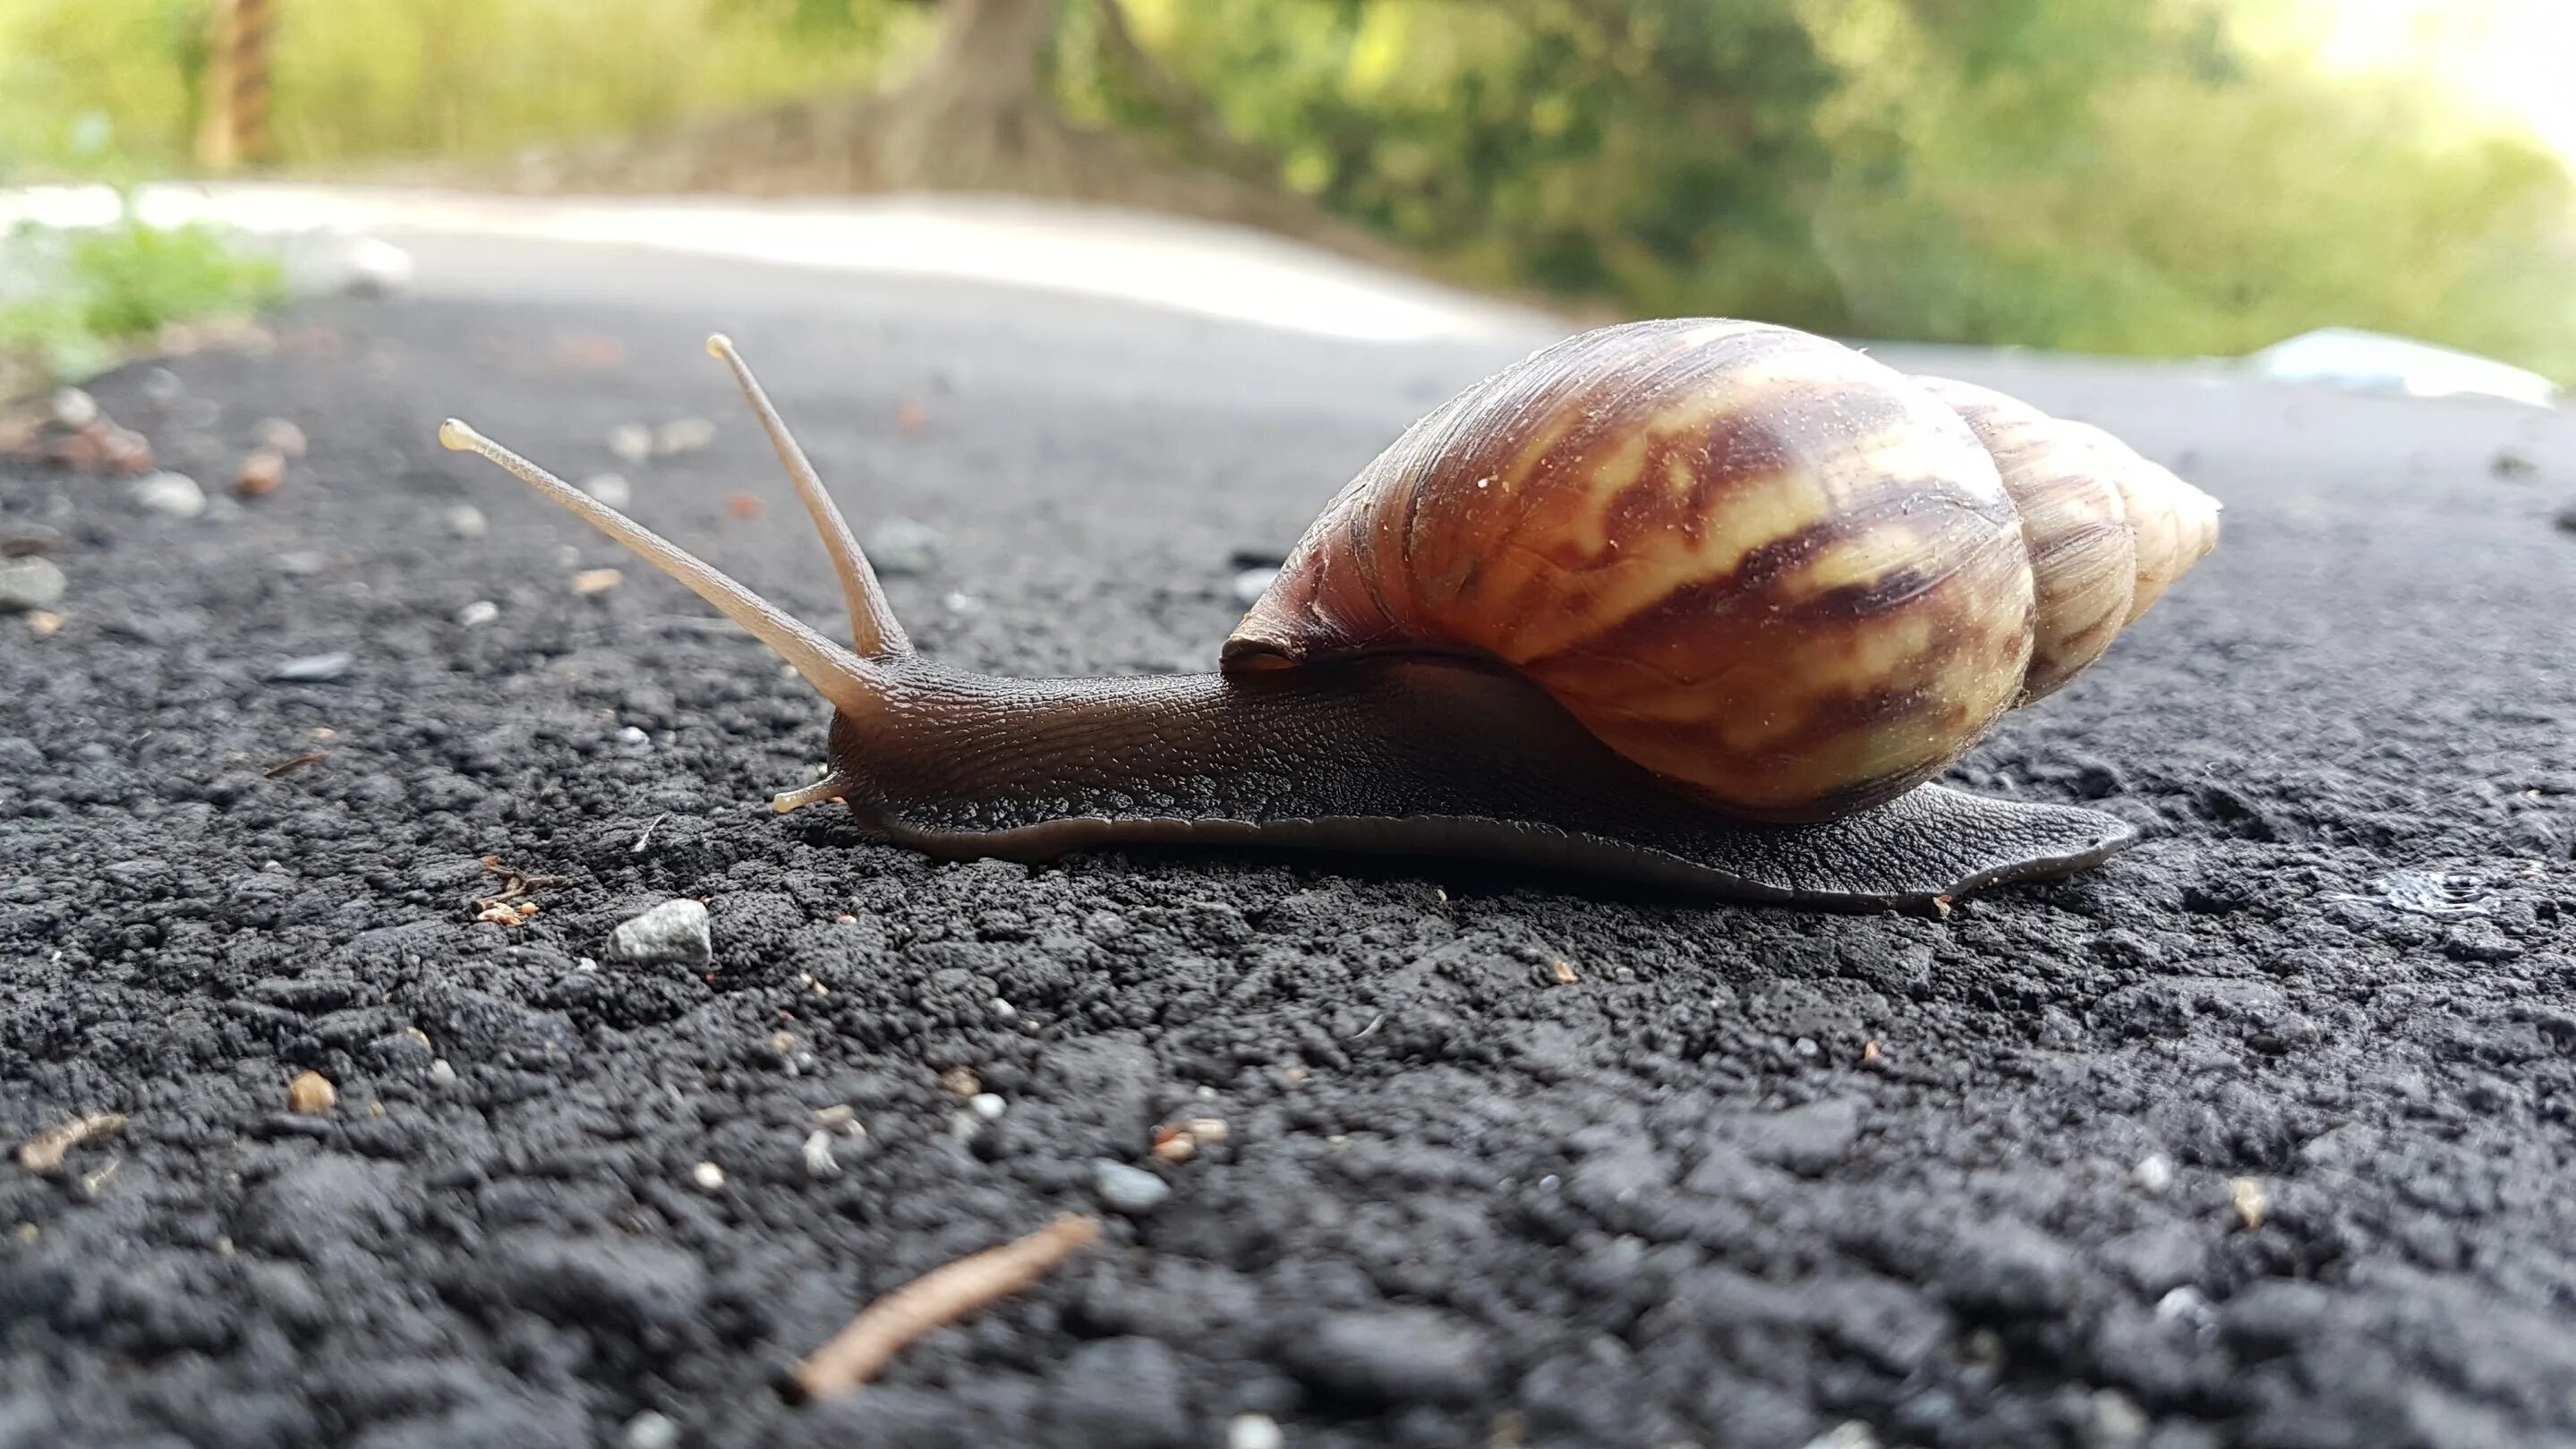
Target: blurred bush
x,y
2145,176
68,298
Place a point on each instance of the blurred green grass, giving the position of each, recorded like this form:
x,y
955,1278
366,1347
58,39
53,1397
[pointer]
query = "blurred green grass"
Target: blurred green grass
x,y
2125,176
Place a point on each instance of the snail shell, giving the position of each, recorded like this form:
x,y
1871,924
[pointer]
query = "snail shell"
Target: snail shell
x,y
1747,558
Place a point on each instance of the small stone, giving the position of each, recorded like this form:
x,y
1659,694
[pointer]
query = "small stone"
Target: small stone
x,y
377,268
630,735
1395,1356
123,450
591,582
819,1161
903,548
610,488
261,472
987,1105
74,408
479,613
314,668
2251,1201
280,437
632,443
173,495
962,1081
467,521
1130,1190
674,932
649,1430
311,1093
1850,1434
2154,1172
707,1177
28,540
44,623
441,1072
840,1117
1251,584
684,435
1254,1431
30,583
301,563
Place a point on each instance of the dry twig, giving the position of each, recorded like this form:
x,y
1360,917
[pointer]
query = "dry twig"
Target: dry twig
x,y
45,1151
935,1299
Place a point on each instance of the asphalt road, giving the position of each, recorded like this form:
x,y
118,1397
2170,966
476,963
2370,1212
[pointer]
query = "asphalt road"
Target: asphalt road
x,y
2260,1134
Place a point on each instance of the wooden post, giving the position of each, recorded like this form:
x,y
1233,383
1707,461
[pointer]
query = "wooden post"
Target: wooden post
x,y
235,131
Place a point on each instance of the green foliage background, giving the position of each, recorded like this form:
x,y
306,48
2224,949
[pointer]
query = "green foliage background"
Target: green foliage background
x,y
2138,176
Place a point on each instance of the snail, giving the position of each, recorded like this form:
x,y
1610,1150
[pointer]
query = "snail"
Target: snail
x,y
1692,604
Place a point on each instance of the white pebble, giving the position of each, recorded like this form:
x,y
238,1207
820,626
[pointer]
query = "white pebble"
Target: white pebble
x,y
441,1073
174,495
902,547
30,583
1251,584
649,1430
674,931
74,408
819,1161
707,1177
2154,1172
631,442
684,435
987,1105
1004,1009
633,736
467,521
610,488
479,613
314,668
377,267
1254,1431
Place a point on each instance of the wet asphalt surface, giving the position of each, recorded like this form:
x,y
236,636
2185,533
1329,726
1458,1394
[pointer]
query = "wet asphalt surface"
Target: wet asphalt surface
x,y
2260,1134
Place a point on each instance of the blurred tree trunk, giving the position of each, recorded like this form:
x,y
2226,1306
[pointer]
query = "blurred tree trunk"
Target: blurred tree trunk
x,y
975,115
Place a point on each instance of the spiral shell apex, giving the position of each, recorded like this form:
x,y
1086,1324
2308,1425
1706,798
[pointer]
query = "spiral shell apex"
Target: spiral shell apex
x,y
1749,559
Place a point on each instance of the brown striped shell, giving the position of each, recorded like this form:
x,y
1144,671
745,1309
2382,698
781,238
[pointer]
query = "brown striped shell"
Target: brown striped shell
x,y
1749,559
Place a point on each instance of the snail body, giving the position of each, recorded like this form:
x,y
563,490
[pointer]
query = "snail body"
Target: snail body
x,y
1695,604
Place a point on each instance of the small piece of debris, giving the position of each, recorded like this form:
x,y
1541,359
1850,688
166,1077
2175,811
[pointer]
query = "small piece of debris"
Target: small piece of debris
x,y
2250,1200
293,763
2154,1172
172,495
44,623
684,435
610,488
707,1177
30,583
74,408
1563,971
261,471
674,933
1181,1142
840,1117
649,1430
311,1093
596,581
987,1105
1941,906
631,442
467,521
1129,1190
903,548
442,1072
935,1299
314,668
29,539
45,1151
479,613
1251,584
512,914
281,437
630,735
819,1161
1254,1431
742,505
1869,1053
962,1081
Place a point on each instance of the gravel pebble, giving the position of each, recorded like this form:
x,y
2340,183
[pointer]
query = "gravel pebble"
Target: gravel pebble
x,y
1395,1356
590,582
261,471
174,495
74,408
311,1092
1125,1189
632,443
1254,1431
30,583
684,435
707,1177
467,521
29,539
280,437
610,488
987,1105
674,932
479,613
650,1430
903,547
314,668
1251,584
